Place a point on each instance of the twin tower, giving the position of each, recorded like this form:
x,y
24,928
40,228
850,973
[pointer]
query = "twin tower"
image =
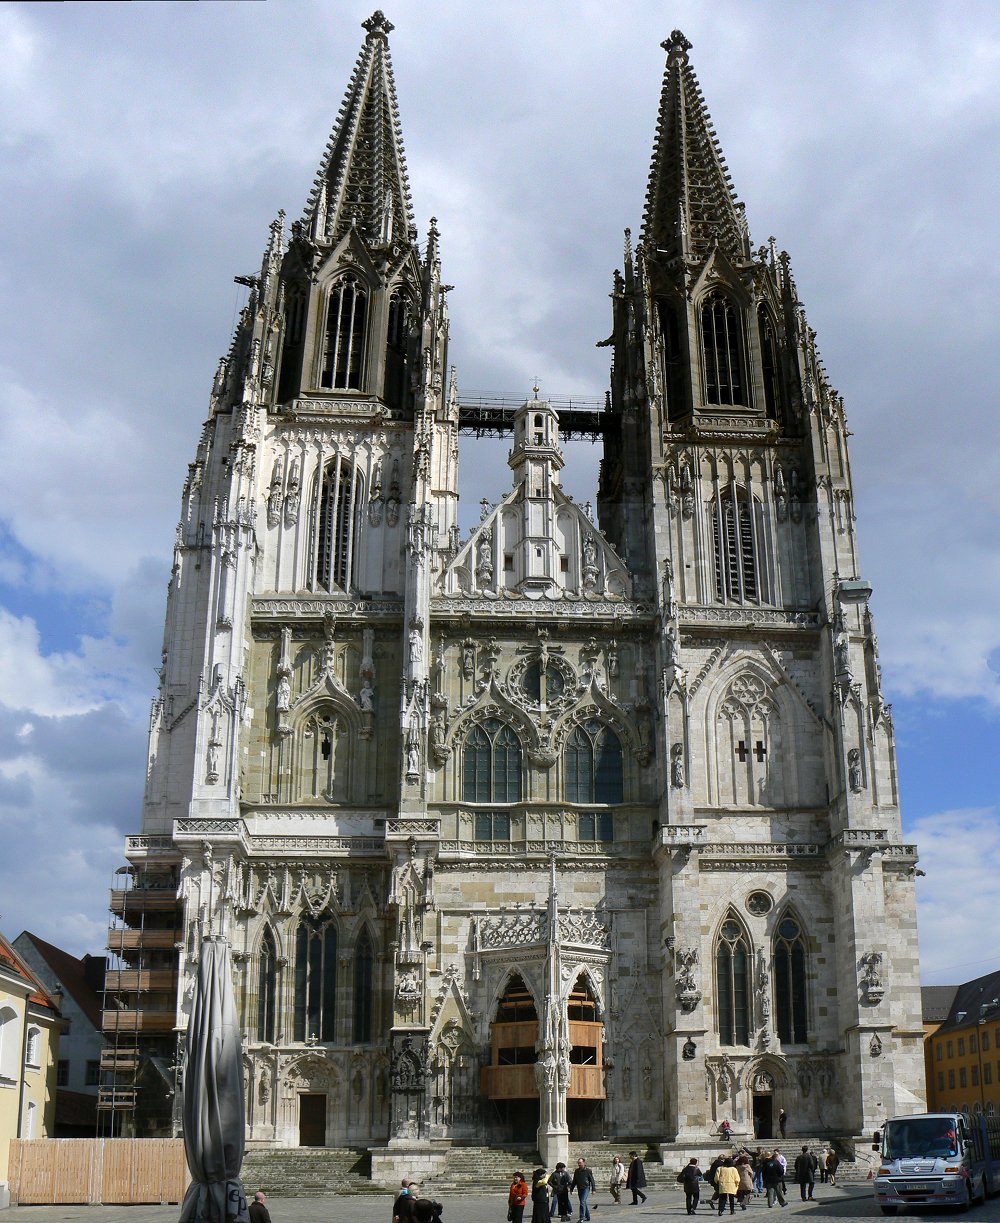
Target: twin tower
x,y
565,829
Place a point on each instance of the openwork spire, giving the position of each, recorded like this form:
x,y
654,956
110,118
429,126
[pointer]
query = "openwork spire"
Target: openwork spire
x,y
362,179
690,203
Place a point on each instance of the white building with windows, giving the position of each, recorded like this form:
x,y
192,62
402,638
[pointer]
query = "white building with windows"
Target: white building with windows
x,y
567,828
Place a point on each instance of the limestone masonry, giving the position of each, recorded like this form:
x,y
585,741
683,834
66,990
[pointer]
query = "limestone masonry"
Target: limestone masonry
x,y
566,829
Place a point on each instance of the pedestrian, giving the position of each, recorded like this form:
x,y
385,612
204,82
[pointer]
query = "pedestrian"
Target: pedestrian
x,y
745,1168
821,1162
772,1173
727,1181
832,1164
427,1211
690,1177
560,1184
635,1178
726,1130
516,1198
617,1179
402,1207
259,1213
758,1176
584,1184
784,1169
539,1196
782,1121
805,1174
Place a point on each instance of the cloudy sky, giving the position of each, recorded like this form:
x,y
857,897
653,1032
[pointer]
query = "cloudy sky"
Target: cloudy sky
x,y
146,148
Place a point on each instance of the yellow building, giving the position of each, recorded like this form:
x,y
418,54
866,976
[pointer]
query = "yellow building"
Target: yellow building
x,y
963,1054
30,1026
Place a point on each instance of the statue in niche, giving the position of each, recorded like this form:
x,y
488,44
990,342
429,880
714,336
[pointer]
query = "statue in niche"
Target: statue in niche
x,y
412,758
842,654
292,495
416,647
274,496
468,659
677,766
284,696
366,697
484,558
854,769
763,989
689,1050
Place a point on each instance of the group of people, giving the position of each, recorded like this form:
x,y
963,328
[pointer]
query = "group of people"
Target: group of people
x,y
735,1179
410,1207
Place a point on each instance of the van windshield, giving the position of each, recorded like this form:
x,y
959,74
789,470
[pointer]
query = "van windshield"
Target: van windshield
x,y
916,1136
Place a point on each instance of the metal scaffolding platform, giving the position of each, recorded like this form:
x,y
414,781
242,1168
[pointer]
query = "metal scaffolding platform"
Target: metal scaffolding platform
x,y
493,415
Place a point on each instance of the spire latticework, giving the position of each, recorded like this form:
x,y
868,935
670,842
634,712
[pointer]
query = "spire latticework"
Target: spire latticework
x,y
362,179
690,203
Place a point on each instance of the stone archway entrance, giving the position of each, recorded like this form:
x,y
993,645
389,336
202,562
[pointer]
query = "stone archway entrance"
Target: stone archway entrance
x,y
762,1099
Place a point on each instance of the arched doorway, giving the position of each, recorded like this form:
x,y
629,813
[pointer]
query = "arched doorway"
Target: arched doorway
x,y
586,1095
508,1082
762,1092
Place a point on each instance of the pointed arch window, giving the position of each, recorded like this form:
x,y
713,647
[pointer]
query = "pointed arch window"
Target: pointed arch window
x,y
316,979
734,531
344,350
769,363
732,984
722,350
790,982
491,764
364,965
593,761
337,524
267,968
396,340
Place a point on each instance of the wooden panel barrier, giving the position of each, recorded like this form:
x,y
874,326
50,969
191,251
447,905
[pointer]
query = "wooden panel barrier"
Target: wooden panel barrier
x,y
123,1171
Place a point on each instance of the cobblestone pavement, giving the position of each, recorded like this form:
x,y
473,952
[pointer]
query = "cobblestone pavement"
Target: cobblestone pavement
x,y
853,1202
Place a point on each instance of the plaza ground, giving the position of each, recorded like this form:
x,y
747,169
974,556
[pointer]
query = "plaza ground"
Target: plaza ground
x,y
849,1202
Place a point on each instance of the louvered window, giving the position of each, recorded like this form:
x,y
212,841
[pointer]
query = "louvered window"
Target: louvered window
x,y
339,498
344,351
733,530
722,349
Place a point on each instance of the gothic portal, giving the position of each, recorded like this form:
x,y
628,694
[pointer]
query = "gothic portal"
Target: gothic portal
x,y
568,828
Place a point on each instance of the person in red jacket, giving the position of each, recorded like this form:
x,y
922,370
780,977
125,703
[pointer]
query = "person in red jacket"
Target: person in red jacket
x,y
516,1198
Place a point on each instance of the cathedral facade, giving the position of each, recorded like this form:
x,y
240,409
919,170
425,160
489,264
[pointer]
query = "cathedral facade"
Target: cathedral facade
x,y
568,828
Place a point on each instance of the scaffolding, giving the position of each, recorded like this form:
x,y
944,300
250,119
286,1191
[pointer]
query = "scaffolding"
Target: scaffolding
x,y
493,415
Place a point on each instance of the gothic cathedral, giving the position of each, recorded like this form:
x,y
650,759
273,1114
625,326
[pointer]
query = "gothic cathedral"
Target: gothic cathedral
x,y
567,828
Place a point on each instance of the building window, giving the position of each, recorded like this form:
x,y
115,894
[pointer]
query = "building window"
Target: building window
x,y
92,1074
975,1076
963,1078
344,352
315,978
10,1046
531,682
973,1046
732,983
492,825
986,1040
396,340
733,531
951,1049
961,1046
595,826
593,762
364,967
951,1079
790,982
340,495
491,764
940,1080
62,1073
722,347
987,1073
267,969
33,1049
939,1051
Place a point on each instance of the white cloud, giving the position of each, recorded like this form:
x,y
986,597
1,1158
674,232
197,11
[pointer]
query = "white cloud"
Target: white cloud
x,y
956,901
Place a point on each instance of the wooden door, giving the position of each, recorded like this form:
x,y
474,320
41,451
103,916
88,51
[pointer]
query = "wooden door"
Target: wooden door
x,y
312,1120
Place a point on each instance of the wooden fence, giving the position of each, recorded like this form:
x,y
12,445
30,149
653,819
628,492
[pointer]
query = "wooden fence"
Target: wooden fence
x,y
119,1171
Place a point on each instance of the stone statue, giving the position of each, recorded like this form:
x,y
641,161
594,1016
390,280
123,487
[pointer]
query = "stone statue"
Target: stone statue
x,y
284,697
366,697
416,647
854,769
677,766
412,758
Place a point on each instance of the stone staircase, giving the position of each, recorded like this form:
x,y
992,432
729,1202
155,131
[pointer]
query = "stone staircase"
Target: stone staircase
x,y
318,1172
308,1171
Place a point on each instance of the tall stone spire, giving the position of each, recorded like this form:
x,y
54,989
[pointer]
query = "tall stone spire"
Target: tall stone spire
x,y
690,202
362,179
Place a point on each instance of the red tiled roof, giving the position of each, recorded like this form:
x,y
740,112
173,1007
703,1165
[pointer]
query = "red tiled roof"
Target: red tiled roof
x,y
70,972
13,962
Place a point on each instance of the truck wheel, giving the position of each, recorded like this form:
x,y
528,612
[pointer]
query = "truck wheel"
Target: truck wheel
x,y
968,1199
888,1210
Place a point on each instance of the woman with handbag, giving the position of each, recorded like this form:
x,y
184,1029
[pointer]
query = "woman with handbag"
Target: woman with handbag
x,y
516,1198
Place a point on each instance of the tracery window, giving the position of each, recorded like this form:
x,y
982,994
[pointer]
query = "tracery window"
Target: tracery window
x,y
531,682
344,351
397,337
769,363
364,963
734,535
593,763
722,348
790,982
732,984
340,495
491,764
267,967
316,978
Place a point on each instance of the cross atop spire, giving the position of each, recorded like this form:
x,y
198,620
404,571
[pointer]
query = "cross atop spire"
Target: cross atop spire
x,y
362,179
690,202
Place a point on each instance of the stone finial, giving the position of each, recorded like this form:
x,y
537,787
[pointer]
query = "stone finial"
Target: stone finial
x,y
677,46
378,24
